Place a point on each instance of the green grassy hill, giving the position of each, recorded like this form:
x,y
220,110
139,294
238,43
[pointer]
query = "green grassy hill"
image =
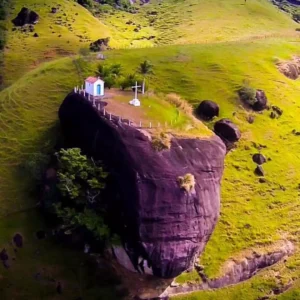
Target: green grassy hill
x,y
231,43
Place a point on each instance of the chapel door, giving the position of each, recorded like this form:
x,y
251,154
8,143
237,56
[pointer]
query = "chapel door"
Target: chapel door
x,y
99,89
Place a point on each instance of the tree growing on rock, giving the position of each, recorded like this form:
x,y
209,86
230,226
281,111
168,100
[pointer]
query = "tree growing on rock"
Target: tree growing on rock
x,y
80,179
81,182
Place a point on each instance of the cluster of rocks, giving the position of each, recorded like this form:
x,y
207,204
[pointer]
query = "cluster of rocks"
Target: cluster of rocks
x,y
25,21
26,16
259,159
4,257
224,128
276,112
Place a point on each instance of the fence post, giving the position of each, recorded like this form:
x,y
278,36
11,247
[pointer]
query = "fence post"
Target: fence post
x,y
109,117
75,89
150,125
84,93
140,124
104,112
99,106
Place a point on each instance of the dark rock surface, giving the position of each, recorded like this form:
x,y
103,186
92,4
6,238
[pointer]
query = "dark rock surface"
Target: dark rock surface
x,y
100,44
238,271
26,16
207,110
259,158
18,240
3,255
227,131
164,227
261,101
259,171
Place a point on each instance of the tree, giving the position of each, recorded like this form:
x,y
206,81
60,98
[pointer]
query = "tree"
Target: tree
x,y
81,181
110,74
110,81
146,67
116,70
80,178
88,218
128,81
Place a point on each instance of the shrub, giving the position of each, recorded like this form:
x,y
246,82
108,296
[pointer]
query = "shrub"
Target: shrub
x,y
248,95
180,103
187,182
128,81
161,142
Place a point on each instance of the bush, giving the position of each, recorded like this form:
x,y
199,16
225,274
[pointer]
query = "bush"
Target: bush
x,y
161,142
180,103
187,182
248,95
128,81
81,182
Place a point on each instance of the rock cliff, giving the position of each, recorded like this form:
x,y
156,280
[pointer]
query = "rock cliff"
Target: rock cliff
x,y
164,227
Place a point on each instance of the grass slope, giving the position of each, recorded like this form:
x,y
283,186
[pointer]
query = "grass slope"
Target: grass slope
x,y
198,21
56,38
252,214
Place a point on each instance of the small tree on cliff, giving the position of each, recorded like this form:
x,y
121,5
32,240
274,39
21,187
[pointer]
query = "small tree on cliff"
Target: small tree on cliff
x,y
80,178
81,182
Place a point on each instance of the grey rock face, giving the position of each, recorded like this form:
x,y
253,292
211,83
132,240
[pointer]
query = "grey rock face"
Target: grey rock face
x,y
165,227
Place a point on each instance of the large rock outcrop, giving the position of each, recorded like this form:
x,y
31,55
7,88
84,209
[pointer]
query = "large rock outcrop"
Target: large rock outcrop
x,y
26,16
164,227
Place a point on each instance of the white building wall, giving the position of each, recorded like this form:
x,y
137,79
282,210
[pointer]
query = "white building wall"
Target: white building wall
x,y
89,88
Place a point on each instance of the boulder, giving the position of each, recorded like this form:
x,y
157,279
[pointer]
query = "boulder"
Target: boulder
x,y
18,240
261,101
259,171
100,44
207,110
227,131
53,10
26,16
259,159
163,227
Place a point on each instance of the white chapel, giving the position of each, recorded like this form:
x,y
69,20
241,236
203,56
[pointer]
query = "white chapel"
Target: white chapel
x,y
94,86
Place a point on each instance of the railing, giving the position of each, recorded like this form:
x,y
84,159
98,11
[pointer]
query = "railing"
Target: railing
x,y
97,101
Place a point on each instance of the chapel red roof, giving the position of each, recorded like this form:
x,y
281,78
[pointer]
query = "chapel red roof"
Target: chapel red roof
x,y
92,79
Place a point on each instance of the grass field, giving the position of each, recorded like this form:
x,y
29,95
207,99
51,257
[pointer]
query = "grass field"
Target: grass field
x,y
226,53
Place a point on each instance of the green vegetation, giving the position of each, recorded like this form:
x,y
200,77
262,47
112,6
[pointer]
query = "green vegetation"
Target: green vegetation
x,y
247,95
187,182
146,67
232,51
162,141
81,182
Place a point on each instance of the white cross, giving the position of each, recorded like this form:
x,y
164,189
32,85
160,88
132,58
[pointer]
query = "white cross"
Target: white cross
x,y
136,89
